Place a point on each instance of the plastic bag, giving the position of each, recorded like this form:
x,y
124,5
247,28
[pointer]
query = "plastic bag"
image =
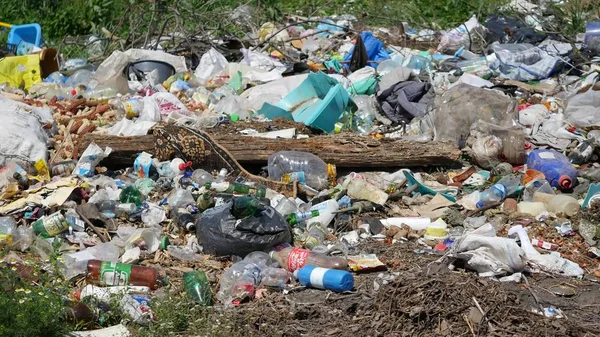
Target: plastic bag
x,y
23,139
211,63
220,233
490,256
460,107
89,159
582,110
462,35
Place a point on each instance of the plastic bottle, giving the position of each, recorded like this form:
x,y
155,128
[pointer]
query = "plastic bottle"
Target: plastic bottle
x,y
297,217
205,201
108,207
563,204
499,191
197,287
50,225
130,108
274,277
180,198
582,153
326,212
185,219
236,188
63,168
244,207
201,177
315,236
238,282
8,227
100,93
292,259
323,278
130,194
316,171
119,274
557,168
124,210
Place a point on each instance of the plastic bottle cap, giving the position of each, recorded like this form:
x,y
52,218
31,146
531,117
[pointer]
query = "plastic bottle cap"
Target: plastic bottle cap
x,y
183,166
164,242
295,273
479,204
565,182
234,117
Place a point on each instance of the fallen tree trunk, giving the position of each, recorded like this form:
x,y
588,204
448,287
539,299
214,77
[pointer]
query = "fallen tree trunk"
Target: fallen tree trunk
x,y
341,150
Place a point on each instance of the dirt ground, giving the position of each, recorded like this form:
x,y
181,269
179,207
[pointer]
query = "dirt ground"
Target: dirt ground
x,y
418,297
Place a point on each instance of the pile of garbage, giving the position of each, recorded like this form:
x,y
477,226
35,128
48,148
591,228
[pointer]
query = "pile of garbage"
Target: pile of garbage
x,y
525,199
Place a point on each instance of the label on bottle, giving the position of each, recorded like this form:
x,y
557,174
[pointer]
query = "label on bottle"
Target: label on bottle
x,y
115,274
6,239
317,276
542,244
55,224
297,258
547,155
300,177
131,107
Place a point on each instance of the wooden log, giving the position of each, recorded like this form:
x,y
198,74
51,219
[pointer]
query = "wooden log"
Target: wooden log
x,y
341,150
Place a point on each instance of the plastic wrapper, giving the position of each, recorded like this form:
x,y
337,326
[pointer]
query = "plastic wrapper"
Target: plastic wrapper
x,y
89,159
220,233
460,107
582,110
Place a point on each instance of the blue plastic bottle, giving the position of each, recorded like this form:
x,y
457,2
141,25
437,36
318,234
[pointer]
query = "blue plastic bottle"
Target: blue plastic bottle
x,y
557,168
323,278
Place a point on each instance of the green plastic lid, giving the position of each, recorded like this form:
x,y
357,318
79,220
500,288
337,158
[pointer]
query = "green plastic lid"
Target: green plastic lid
x,y
234,117
164,242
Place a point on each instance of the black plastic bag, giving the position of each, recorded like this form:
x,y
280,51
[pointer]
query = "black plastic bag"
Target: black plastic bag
x,y
220,233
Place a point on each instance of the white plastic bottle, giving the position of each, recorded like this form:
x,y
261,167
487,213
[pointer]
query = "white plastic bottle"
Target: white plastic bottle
x,y
326,215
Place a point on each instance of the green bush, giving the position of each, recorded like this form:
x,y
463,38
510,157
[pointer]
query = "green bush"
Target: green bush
x,y
29,310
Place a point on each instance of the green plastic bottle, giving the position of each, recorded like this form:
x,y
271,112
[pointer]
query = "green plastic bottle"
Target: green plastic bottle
x,y
50,225
197,287
244,207
130,194
205,202
297,217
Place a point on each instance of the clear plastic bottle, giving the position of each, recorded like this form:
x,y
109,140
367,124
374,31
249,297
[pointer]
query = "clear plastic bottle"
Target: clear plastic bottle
x,y
100,93
180,198
498,192
130,108
274,277
291,259
8,227
315,236
201,177
316,171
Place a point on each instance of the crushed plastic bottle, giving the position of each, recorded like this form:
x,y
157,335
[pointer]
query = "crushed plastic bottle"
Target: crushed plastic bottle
x,y
291,259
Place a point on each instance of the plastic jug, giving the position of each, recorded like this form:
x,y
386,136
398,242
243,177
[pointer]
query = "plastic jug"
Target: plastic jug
x,y
555,166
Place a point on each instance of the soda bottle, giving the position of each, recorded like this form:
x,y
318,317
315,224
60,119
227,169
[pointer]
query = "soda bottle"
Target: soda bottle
x,y
316,172
50,225
292,259
323,278
297,217
185,219
120,274
197,287
130,194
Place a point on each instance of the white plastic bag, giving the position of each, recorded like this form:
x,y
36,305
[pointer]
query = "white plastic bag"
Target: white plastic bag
x,y
89,159
211,63
23,139
462,35
490,256
583,110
